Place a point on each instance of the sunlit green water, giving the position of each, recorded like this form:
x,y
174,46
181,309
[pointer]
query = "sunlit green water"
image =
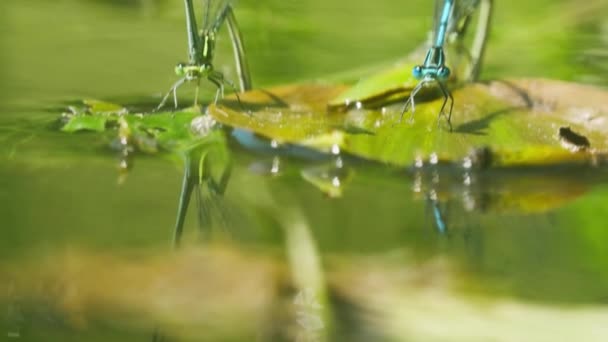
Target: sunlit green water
x,y
61,192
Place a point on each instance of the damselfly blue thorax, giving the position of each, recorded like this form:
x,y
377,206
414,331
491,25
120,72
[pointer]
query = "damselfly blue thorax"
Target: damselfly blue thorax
x,y
452,18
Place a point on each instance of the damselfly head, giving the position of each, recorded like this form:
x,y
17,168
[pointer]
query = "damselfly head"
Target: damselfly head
x,y
417,72
443,73
431,73
192,72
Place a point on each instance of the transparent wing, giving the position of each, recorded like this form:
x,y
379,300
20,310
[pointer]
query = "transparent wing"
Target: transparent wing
x,y
462,9
214,13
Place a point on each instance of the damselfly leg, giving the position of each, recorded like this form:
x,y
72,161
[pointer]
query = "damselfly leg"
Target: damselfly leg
x,y
173,91
433,69
451,20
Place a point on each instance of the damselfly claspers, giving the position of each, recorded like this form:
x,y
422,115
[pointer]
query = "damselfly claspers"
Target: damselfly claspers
x,y
451,20
201,46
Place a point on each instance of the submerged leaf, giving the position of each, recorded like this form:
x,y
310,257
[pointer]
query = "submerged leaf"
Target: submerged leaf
x,y
85,123
329,178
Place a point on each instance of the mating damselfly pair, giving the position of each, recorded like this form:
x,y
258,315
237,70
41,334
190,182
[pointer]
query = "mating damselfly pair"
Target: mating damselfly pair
x,y
451,22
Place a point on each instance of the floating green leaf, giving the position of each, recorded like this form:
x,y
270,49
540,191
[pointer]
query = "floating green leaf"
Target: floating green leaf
x,y
286,114
171,131
517,122
396,82
393,83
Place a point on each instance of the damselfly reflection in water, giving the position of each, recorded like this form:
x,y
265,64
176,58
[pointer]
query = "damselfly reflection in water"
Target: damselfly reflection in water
x,y
438,213
207,170
201,48
451,20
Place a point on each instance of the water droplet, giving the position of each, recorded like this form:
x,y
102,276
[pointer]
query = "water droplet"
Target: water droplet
x,y
267,167
329,178
467,179
202,125
335,149
339,163
417,186
275,168
468,201
435,177
335,182
467,163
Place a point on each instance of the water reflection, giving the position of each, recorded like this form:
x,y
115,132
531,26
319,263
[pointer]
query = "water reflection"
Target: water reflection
x,y
463,200
458,196
327,172
207,170
476,186
330,178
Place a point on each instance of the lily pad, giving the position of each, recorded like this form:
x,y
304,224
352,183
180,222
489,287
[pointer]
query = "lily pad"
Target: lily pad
x,y
285,114
393,83
396,82
516,122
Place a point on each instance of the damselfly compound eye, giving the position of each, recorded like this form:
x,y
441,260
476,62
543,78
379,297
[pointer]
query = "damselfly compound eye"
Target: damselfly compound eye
x,y
417,72
443,73
179,69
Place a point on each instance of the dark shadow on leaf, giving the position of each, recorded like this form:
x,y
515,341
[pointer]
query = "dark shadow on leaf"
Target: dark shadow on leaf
x,y
529,103
479,126
276,102
351,129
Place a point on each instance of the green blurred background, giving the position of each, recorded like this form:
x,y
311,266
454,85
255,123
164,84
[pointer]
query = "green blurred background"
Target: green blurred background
x,y
59,190
66,49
